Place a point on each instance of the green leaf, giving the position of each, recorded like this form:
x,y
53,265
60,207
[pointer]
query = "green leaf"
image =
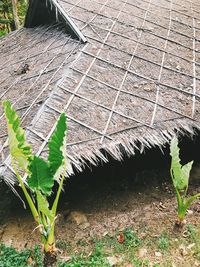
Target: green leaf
x,y
41,178
4,21
190,200
180,174
186,173
19,149
43,205
57,148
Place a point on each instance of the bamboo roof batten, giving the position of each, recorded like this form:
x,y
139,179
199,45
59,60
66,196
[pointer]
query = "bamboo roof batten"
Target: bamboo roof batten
x,y
132,86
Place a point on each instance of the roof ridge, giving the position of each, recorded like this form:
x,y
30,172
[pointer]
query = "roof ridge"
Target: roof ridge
x,y
48,11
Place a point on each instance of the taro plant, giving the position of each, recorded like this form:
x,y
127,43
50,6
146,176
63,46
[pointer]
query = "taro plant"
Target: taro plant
x,y
40,174
180,178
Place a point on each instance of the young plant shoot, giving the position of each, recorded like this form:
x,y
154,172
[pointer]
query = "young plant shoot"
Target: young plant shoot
x,y
41,174
180,178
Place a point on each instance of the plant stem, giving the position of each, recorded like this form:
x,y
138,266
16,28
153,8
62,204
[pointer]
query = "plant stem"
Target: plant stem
x,y
55,204
28,198
15,14
50,244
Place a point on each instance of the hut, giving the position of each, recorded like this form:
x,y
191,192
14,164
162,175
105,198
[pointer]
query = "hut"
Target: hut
x,y
126,72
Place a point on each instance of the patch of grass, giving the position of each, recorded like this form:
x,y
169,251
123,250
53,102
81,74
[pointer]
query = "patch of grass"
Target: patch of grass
x,y
131,239
9,257
82,243
96,259
63,245
109,247
191,232
38,256
3,32
194,236
163,242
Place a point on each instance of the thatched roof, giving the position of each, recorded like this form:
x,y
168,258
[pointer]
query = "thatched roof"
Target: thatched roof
x,y
132,85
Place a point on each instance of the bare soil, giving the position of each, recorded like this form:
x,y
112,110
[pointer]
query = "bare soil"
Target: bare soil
x,y
145,202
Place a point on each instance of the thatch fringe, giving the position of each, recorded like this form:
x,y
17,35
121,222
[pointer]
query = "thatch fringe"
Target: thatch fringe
x,y
117,150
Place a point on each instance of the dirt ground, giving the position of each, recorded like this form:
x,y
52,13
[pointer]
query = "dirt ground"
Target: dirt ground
x,y
102,206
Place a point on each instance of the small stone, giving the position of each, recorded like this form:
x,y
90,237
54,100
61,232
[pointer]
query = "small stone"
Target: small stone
x,y
190,212
158,254
79,218
113,261
142,252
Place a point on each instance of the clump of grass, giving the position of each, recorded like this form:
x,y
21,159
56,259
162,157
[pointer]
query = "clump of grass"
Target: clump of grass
x,y
9,257
193,235
97,259
191,231
38,256
131,239
63,245
163,242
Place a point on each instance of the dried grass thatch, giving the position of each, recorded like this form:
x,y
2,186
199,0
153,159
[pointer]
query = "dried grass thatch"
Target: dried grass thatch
x,y
133,85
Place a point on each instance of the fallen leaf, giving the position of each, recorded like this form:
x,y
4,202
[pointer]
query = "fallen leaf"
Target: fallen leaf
x,y
161,206
84,226
190,246
66,258
121,238
142,235
105,233
185,234
183,250
30,261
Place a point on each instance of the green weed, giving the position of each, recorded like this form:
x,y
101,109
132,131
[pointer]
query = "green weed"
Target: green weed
x,y
180,178
131,239
38,256
191,232
63,245
96,259
9,257
163,242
